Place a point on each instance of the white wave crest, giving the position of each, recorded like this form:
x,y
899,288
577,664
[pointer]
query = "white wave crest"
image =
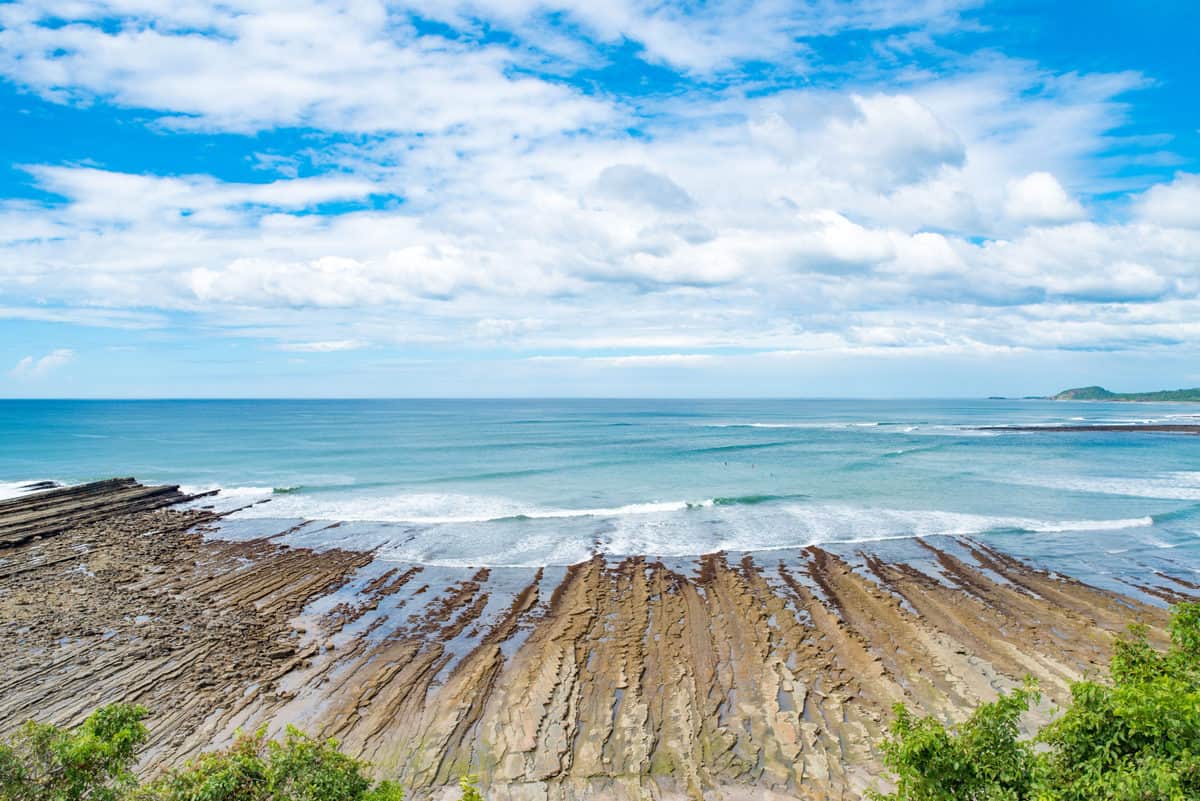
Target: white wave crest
x,y
797,526
433,508
227,498
1178,485
816,424
15,489
458,529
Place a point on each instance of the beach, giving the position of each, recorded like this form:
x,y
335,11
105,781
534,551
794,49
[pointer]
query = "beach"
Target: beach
x,y
618,401
727,675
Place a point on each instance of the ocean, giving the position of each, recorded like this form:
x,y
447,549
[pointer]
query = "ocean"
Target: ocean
x,y
551,482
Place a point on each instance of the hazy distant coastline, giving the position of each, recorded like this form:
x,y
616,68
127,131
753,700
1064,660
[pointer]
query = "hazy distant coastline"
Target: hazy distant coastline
x,y
1095,393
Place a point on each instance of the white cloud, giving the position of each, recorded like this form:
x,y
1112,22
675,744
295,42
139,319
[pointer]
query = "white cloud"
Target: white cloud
x,y
256,66
501,329
324,346
893,140
916,211
700,40
635,360
828,242
1176,204
99,318
1040,198
101,196
32,367
640,186
397,276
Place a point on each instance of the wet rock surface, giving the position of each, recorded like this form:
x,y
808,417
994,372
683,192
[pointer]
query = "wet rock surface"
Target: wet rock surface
x,y
134,605
726,676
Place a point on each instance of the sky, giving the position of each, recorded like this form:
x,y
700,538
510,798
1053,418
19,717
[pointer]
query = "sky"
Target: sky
x,y
883,198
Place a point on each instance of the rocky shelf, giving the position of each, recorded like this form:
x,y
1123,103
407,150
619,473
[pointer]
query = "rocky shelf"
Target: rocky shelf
x,y
1132,428
54,510
763,676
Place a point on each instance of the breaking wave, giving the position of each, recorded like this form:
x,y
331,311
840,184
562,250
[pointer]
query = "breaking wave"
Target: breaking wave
x,y
448,528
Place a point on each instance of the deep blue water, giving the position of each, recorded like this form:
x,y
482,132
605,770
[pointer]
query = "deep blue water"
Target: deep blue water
x,y
552,481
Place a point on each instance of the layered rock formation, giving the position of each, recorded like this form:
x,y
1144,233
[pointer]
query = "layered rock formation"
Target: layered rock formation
x,y
726,676
50,509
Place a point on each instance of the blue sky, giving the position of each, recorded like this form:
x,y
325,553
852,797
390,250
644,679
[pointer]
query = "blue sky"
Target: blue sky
x,y
513,197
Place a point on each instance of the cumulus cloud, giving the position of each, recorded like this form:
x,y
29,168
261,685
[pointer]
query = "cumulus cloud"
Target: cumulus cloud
x,y
536,211
1176,204
1040,198
638,185
32,367
892,140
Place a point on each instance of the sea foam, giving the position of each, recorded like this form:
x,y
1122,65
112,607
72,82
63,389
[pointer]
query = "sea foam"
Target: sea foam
x,y
1177,485
455,529
15,489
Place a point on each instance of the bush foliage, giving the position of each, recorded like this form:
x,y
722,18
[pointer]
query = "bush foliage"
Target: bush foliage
x,y
297,768
94,762
1134,738
45,763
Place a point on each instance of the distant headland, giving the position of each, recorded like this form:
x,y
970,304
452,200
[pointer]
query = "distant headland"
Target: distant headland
x,y
1102,394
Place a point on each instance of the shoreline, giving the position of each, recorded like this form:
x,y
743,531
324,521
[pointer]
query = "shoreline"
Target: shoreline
x,y
764,676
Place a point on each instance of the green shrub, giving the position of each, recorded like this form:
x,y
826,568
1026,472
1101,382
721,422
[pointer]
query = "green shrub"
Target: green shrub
x,y
298,768
1136,738
41,762
45,763
470,789
1140,737
983,760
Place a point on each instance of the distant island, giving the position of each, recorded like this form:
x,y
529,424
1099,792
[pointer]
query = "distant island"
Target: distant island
x,y
1102,394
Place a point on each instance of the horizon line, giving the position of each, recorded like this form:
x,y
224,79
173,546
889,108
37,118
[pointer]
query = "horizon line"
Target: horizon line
x,y
536,398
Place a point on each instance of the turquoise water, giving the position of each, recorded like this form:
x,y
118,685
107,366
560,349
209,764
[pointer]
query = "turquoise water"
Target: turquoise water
x,y
531,482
